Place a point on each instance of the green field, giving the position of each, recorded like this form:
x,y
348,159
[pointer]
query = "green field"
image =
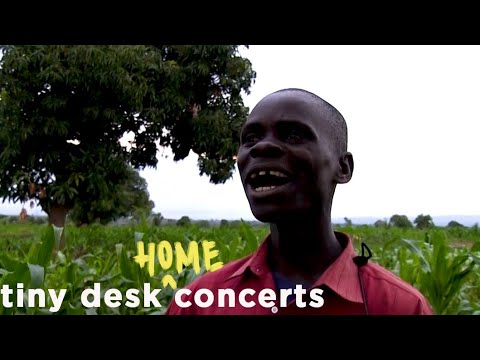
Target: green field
x,y
441,262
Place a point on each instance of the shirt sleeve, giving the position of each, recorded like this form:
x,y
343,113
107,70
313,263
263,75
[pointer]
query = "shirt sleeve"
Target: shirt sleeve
x,y
424,307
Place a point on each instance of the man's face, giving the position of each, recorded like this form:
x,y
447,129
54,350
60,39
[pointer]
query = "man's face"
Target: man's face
x,y
287,158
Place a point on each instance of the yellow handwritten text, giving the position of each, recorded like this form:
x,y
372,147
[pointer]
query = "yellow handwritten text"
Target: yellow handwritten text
x,y
166,255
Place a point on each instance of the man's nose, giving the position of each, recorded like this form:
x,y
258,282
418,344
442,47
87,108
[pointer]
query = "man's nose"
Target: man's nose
x,y
266,147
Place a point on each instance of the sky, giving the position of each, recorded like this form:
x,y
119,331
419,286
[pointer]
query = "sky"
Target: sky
x,y
413,115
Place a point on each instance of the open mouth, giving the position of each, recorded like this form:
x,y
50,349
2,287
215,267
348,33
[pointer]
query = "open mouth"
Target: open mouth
x,y
267,180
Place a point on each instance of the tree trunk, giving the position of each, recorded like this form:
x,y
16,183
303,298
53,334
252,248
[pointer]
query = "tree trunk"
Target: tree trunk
x,y
57,216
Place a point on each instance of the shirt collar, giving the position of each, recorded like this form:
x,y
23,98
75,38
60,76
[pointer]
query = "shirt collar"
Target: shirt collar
x,y
341,276
258,261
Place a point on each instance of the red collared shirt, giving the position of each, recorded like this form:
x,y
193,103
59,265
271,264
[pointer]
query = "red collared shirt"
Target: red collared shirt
x,y
385,293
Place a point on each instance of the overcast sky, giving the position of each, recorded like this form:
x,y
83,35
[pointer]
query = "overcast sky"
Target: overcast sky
x,y
413,115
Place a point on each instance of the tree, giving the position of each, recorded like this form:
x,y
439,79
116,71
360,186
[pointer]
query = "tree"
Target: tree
x,y
455,224
423,221
157,219
184,221
380,224
63,110
203,224
224,223
401,221
128,198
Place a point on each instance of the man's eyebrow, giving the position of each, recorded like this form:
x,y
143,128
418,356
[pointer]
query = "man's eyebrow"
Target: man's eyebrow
x,y
252,127
294,122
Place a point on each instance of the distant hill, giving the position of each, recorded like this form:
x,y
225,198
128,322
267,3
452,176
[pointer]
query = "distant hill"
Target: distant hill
x,y
467,220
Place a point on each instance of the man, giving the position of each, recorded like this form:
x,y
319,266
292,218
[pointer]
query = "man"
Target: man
x,y
293,153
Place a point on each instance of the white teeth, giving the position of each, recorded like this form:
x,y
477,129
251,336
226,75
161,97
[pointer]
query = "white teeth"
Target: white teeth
x,y
265,188
277,173
272,172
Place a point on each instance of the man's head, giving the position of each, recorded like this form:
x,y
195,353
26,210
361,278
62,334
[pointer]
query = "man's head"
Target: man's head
x,y
293,153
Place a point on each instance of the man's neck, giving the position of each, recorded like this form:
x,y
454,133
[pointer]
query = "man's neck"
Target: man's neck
x,y
302,250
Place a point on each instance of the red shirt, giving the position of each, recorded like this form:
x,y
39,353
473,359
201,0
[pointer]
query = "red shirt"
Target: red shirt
x,y
385,293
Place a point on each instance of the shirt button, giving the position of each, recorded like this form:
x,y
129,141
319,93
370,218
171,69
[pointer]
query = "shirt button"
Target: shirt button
x,y
274,309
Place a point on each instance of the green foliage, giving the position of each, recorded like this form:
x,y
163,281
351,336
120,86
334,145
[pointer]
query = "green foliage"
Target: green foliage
x,y
28,270
439,273
381,223
104,254
184,221
400,221
424,221
203,223
211,79
224,223
437,262
455,224
64,108
157,219
129,197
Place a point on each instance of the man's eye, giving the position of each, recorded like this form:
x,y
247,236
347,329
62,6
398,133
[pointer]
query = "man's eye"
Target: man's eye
x,y
295,137
250,139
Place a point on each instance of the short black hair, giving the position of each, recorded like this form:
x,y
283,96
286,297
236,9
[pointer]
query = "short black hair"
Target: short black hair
x,y
335,118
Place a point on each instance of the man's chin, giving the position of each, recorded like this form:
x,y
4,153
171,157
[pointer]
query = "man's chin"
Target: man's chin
x,y
272,216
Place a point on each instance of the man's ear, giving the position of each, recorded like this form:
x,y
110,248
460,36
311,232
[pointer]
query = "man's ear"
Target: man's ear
x,y
345,170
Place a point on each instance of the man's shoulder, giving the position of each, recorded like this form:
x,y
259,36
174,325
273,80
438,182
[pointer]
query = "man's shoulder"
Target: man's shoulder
x,y
388,278
393,291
